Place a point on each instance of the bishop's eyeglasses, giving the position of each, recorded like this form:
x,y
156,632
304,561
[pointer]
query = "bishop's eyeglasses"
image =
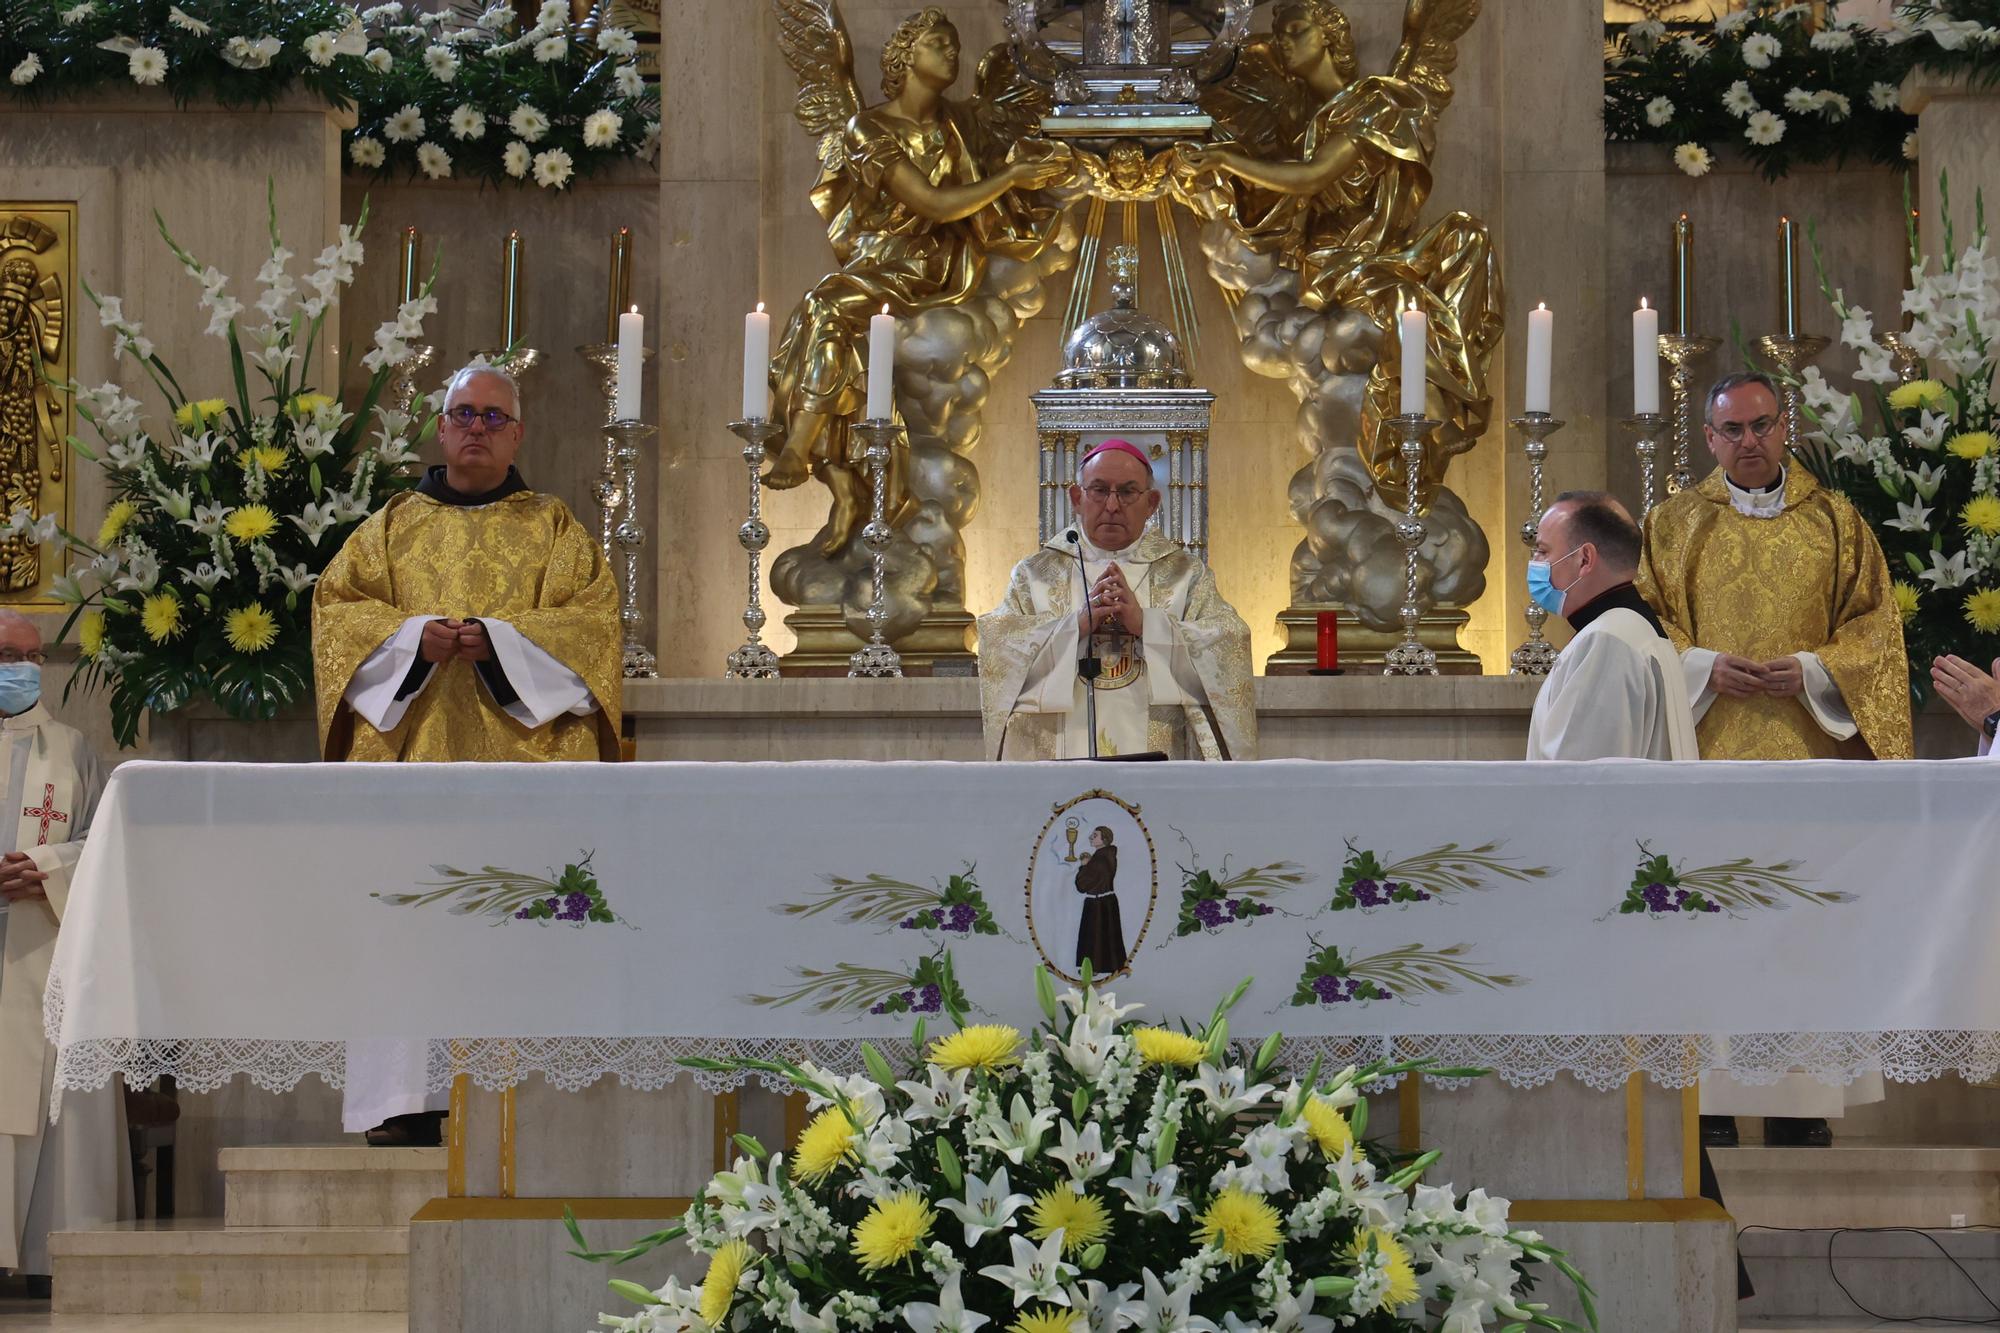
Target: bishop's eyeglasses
x,y
1732,431
1126,495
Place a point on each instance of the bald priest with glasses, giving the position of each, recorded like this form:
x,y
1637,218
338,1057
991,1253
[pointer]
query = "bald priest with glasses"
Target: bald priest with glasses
x,y
1114,623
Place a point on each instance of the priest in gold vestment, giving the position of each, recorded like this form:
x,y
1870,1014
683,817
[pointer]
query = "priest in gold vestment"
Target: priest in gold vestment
x,y
471,619
1778,598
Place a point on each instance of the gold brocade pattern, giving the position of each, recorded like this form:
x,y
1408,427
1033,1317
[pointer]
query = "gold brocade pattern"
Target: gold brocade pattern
x,y
1812,579
523,559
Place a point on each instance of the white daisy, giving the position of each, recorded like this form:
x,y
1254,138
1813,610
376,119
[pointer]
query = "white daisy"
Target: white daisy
x,y
379,60
433,161
617,42
528,124
602,128
1833,105
1832,39
630,82
318,48
1910,145
1737,99
516,159
551,48
651,139
248,53
1760,49
365,152
1798,100
1659,111
442,64
467,123
73,16
148,65
1693,50
1693,159
1884,96
1764,128
552,169
404,126
1731,21
185,21
25,73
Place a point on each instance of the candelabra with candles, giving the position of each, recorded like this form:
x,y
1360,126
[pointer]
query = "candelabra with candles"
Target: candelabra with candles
x,y
1410,657
1793,349
1536,655
1646,428
1684,352
876,658
755,660
610,491
410,286
511,355
631,536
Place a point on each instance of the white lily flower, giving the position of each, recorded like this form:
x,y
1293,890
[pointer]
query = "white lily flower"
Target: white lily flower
x,y
104,566
205,575
315,519
125,455
989,1205
803,1320
1020,1134
1927,478
1929,432
208,519
1910,518
1082,1154
1037,1271
349,508
1150,1190
1098,1304
298,579
177,504
142,573
47,530
949,1315
1292,1313
1163,1311
1225,1089
941,1099
18,523
1090,1046
65,588
1266,1153
197,452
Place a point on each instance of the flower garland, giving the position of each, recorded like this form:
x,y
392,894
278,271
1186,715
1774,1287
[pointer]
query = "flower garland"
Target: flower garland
x,y
437,94
1767,82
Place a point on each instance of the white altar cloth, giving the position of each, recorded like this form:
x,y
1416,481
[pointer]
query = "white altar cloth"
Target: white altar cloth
x,y
584,920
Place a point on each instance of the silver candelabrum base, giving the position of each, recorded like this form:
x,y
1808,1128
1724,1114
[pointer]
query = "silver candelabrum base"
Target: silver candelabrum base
x,y
1793,352
754,660
1536,655
876,658
403,380
1684,352
1646,428
1410,657
516,363
630,534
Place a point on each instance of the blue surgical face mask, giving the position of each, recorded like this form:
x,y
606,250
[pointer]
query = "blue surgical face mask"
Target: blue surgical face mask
x,y
1542,590
20,687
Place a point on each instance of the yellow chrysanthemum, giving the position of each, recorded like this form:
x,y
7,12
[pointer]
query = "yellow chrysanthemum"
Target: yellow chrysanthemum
x,y
1080,1217
1981,514
160,617
822,1146
1328,1127
1971,444
981,1046
305,404
1982,609
718,1288
251,523
1241,1225
1927,395
1402,1288
1906,599
196,413
90,634
267,456
115,519
250,629
1163,1046
1045,1319
892,1230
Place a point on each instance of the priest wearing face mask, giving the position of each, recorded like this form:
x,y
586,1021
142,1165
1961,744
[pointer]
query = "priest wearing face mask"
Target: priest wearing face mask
x,y
1616,690
76,1173
1172,657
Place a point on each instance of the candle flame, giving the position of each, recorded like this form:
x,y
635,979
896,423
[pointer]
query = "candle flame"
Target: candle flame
x,y
1642,303
885,307
760,307
635,309
1541,305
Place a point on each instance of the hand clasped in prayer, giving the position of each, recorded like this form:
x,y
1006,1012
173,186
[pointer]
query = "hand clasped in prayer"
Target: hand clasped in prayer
x,y
447,640
1112,604
20,882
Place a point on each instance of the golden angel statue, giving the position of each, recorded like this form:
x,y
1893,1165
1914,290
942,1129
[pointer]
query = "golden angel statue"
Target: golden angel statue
x,y
31,333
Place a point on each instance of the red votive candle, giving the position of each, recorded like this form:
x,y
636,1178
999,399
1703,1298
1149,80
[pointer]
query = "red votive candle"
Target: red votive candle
x,y
1329,640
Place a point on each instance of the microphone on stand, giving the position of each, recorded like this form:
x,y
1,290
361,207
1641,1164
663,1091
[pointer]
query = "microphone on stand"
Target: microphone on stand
x,y
1088,664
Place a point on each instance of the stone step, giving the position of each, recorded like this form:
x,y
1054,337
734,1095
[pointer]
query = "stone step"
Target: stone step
x,y
341,1186
203,1267
1898,1274
1856,1183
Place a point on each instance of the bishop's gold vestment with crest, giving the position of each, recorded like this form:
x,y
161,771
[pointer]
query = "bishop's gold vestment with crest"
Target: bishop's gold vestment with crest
x,y
1809,579
523,559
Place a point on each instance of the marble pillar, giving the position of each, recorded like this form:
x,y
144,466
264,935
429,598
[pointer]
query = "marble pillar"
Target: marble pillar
x,y
1958,138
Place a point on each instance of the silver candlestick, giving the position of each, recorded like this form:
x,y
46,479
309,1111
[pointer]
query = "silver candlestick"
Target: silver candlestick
x,y
1537,655
1684,351
1645,428
1793,353
516,363
403,380
876,657
631,536
1410,657
755,660
609,490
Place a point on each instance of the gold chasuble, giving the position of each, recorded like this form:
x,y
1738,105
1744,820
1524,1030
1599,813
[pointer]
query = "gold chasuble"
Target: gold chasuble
x,y
1810,578
522,559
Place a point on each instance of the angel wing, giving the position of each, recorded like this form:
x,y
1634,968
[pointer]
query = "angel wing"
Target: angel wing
x,y
1429,53
1006,107
1259,105
816,46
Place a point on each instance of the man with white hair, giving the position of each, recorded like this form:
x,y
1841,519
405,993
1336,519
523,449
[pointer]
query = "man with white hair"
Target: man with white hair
x,y
1167,666
76,1173
469,619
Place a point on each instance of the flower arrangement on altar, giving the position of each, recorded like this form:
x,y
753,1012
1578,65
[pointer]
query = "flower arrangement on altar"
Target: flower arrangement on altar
x,y
1095,1176
198,582
1914,447
437,92
1785,90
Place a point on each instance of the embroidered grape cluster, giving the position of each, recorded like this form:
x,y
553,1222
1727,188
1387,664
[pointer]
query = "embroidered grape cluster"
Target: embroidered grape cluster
x,y
1213,912
1341,990
1380,893
958,918
918,1000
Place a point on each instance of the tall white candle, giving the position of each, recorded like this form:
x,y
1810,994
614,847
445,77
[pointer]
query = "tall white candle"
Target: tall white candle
x,y
631,354
881,364
1541,357
756,363
1645,359
1416,331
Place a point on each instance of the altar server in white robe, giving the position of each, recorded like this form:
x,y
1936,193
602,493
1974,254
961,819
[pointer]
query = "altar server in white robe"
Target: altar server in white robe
x,y
1175,674
76,1173
1617,690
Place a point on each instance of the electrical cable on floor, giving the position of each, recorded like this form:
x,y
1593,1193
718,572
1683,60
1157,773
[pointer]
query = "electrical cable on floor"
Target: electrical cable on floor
x,y
1835,1233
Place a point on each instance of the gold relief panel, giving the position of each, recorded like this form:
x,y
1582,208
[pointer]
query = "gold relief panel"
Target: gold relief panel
x,y
1619,13
37,283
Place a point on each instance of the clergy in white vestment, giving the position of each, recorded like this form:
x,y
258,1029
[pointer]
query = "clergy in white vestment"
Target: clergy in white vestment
x,y
76,1173
472,619
1172,658
1616,690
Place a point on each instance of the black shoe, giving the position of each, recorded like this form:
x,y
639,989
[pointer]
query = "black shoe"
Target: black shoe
x,y
424,1129
1783,1131
1718,1131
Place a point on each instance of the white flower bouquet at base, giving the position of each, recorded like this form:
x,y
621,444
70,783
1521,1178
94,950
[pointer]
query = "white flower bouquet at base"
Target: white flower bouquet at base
x,y
1096,1176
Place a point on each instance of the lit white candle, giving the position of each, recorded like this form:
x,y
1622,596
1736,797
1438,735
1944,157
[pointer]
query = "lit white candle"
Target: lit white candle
x,y
756,363
881,364
1541,356
1645,359
631,361
1416,331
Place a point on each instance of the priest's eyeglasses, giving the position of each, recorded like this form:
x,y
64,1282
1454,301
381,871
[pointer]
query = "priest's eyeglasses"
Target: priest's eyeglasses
x,y
1732,431
14,657
493,418
1129,494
